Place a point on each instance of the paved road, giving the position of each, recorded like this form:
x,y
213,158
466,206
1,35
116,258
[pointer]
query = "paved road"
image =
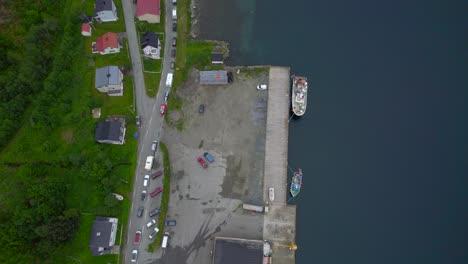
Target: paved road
x,y
152,121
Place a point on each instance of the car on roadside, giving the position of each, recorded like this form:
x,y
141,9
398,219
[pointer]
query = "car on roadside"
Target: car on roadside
x,y
153,234
154,145
138,121
174,27
262,87
202,162
140,211
156,174
171,223
151,223
201,109
134,255
146,181
137,239
154,212
173,53
166,96
156,191
162,109
172,65
174,41
143,195
208,157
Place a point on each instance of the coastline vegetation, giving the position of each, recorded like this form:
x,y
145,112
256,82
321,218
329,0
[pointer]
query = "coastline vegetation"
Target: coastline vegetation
x,y
55,177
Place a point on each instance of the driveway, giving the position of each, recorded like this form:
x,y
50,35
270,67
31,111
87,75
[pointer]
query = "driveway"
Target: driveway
x,y
152,121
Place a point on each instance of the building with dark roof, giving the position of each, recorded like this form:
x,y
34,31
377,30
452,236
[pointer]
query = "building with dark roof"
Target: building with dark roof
x,y
148,10
109,80
234,251
213,77
151,45
110,132
216,58
105,10
103,235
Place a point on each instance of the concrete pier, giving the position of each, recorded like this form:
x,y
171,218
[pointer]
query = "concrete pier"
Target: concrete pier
x,y
280,221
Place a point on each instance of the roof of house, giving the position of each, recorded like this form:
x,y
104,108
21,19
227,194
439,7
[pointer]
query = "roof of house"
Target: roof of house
x,y
85,27
110,39
106,76
231,251
216,57
213,77
148,7
100,234
108,130
102,5
150,39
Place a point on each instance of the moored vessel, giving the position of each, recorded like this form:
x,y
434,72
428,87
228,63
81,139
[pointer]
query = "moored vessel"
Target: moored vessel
x,y
299,95
296,183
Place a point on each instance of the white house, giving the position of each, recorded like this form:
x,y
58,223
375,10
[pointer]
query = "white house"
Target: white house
x,y
107,44
151,45
105,10
109,80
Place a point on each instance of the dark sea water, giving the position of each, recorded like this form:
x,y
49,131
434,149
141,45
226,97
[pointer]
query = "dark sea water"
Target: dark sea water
x,y
384,142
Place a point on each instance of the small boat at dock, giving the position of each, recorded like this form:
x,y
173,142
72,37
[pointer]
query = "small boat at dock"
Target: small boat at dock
x,y
299,95
296,183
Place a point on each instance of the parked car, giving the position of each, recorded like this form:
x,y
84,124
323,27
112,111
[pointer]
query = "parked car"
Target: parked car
x,y
162,109
171,222
146,181
154,212
156,191
174,41
173,53
149,163
153,234
137,239
262,87
156,174
174,27
138,121
143,195
140,211
202,162
172,65
166,96
151,223
134,255
201,109
154,146
208,157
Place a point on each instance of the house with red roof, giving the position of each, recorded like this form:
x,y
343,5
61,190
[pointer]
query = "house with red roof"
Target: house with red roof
x,y
148,10
107,44
86,30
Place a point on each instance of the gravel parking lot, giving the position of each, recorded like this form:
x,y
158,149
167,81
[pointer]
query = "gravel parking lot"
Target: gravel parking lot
x,y
208,202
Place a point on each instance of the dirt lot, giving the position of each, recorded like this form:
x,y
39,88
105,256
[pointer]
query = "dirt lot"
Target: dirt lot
x,y
208,202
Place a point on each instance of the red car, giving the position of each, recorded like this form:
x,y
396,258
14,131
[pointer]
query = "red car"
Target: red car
x,y
137,237
162,109
202,162
156,174
156,192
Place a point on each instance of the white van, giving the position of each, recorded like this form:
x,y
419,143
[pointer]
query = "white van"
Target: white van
x,y
169,80
174,14
149,163
165,240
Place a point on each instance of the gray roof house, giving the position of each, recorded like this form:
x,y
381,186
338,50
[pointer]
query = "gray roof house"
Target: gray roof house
x,y
105,11
103,235
213,77
109,80
151,45
110,132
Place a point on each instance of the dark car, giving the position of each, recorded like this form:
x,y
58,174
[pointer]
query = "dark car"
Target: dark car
x,y
154,212
172,65
140,211
208,157
138,121
174,27
201,109
166,96
173,53
230,77
171,222
174,41
156,192
143,195
156,174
